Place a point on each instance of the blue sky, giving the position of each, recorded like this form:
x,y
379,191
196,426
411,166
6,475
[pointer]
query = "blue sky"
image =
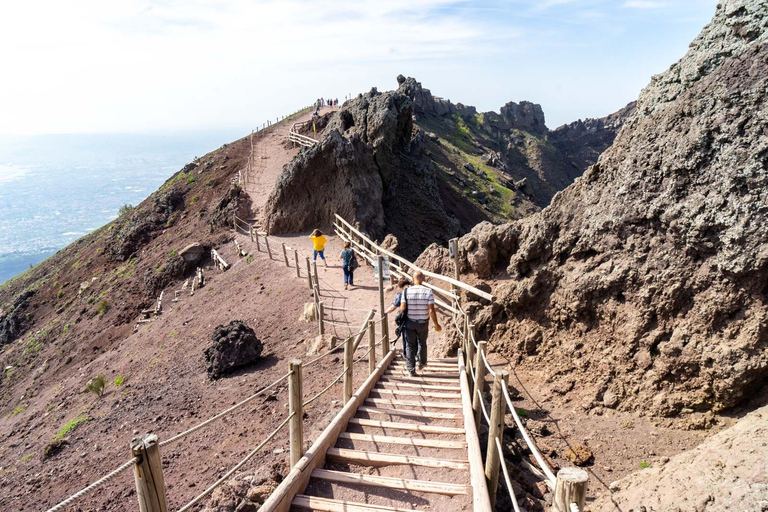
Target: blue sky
x,y
116,66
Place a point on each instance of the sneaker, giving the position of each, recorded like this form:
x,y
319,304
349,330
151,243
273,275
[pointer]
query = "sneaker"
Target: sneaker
x,y
413,373
345,287
419,366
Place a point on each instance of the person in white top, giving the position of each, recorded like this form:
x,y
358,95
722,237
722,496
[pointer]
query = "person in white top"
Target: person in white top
x,y
419,304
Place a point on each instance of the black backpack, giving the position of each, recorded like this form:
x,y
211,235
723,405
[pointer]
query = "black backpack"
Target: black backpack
x,y
402,317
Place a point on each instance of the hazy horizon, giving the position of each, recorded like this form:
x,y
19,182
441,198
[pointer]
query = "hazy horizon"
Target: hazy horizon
x,y
148,66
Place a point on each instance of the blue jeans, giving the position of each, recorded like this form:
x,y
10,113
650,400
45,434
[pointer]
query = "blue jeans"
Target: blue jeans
x,y
348,275
321,253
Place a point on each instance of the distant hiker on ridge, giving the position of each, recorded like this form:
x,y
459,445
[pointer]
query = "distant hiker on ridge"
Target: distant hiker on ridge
x,y
319,241
419,303
348,265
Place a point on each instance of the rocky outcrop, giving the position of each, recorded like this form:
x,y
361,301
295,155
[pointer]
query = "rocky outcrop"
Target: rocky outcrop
x,y
368,167
233,346
13,319
648,278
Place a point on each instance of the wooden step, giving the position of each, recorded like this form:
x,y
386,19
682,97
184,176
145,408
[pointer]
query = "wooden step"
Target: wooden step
x,y
431,379
429,370
329,505
425,394
401,382
413,427
377,459
403,484
438,366
410,413
409,441
415,403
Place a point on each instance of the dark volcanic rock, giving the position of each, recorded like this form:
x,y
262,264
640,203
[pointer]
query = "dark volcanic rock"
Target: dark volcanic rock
x,y
648,278
524,116
234,345
13,319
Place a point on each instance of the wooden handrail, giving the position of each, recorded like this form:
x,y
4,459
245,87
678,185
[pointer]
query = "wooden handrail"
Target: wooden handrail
x,y
393,256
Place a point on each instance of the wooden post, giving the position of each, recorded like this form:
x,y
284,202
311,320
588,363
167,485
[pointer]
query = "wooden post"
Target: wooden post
x,y
471,350
382,308
498,409
296,261
234,222
317,294
455,243
258,245
320,318
479,380
250,232
266,241
371,346
317,278
150,486
295,407
348,350
571,487
285,254
309,274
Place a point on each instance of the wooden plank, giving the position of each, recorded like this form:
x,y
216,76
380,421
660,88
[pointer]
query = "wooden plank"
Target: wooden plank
x,y
412,427
403,484
480,498
298,477
409,441
413,403
424,394
398,382
410,413
440,377
378,459
430,366
329,505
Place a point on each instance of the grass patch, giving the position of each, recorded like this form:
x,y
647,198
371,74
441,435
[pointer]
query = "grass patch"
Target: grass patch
x,y
644,465
97,385
118,381
28,457
70,426
103,307
522,413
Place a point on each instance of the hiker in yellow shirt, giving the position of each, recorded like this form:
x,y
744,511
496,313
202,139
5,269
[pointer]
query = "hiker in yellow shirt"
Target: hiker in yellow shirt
x,y
319,240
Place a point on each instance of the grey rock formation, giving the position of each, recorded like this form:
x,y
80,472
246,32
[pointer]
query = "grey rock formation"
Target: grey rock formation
x,y
649,276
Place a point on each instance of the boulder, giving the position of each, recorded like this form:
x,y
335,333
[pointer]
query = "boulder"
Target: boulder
x,y
233,346
468,166
192,253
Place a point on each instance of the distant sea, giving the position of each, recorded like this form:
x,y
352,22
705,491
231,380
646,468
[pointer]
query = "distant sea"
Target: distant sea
x,y
56,188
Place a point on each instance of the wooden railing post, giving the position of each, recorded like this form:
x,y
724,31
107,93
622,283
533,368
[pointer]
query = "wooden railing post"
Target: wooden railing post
x,y
571,487
496,431
309,274
317,278
150,486
296,261
266,242
384,323
479,382
371,346
320,318
285,254
471,346
348,350
256,236
250,232
295,407
455,243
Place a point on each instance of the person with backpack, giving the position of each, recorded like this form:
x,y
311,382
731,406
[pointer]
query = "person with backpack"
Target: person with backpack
x,y
348,265
402,283
418,302
318,241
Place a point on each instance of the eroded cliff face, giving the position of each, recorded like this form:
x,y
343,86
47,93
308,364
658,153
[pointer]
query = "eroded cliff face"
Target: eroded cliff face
x,y
647,280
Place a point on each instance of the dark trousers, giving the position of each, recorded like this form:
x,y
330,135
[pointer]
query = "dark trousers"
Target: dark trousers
x,y
415,336
348,275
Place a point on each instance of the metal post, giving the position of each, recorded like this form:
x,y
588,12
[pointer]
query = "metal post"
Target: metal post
x,y
496,431
371,346
295,407
479,382
348,350
150,485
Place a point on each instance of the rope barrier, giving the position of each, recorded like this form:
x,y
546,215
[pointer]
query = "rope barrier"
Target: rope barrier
x,y
329,386
487,366
506,476
237,466
528,441
223,413
338,324
106,478
482,406
471,371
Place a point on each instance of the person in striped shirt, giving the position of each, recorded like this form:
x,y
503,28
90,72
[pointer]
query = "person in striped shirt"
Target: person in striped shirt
x,y
419,303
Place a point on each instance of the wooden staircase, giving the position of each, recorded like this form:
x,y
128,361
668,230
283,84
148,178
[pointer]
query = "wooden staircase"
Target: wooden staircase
x,y
405,448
